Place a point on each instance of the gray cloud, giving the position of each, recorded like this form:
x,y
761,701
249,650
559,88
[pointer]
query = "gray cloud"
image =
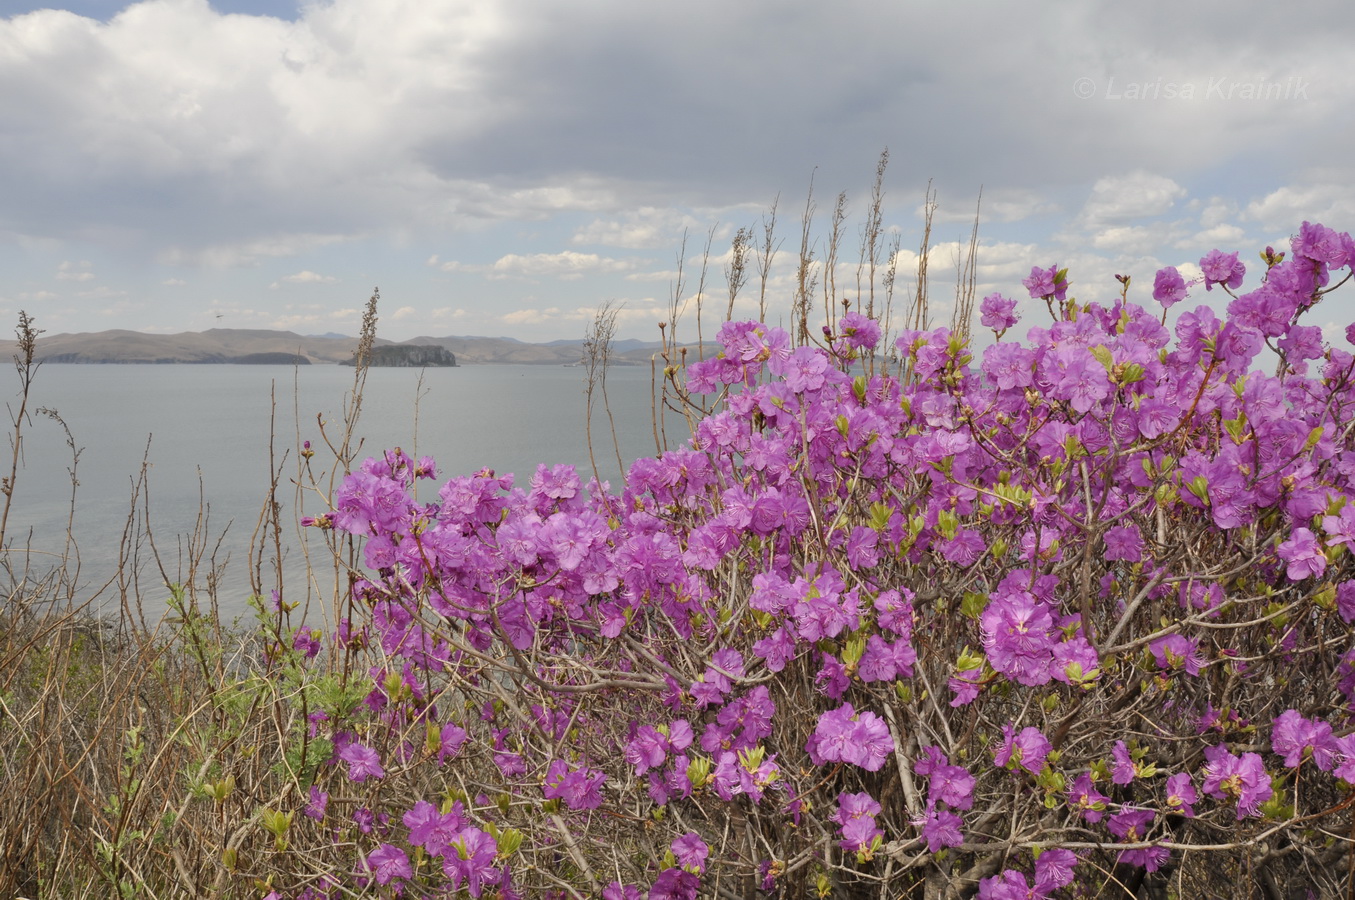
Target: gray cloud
x,y
172,134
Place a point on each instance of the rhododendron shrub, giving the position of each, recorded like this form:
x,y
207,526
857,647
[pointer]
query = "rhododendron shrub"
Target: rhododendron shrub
x,y
1057,615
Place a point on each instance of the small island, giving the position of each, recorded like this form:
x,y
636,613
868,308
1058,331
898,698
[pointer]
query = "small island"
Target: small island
x,y
271,358
410,356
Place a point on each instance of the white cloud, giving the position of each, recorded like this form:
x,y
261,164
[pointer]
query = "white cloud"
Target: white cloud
x,y
69,271
1286,208
1218,211
1221,236
644,229
1133,240
174,134
99,292
250,252
1138,195
663,275
1000,205
308,317
567,265
530,316
416,315
122,308
306,276
644,312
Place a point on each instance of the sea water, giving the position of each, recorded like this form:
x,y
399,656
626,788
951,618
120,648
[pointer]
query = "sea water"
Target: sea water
x,y
203,433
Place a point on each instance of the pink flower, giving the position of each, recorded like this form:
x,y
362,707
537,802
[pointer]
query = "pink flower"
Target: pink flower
x,y
1008,366
998,312
1345,600
1082,380
1340,528
1291,735
965,686
856,815
1303,554
843,735
885,661
675,884
1344,767
1086,800
690,851
1175,652
647,750
1243,779
387,863
1027,749
861,332
579,788
1130,824
471,860
363,762
1045,284
1322,244
1124,771
941,829
1169,288
1222,268
1010,885
1018,636
451,737
1124,542
432,830
1181,794
316,806
1054,869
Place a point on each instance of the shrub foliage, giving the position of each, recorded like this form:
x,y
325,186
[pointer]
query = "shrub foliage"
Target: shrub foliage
x,y
1059,613
1046,618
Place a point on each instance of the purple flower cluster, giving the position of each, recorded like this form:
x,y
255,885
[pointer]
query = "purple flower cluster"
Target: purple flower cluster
x,y
577,788
1242,780
844,735
1053,870
1026,749
759,622
950,791
856,818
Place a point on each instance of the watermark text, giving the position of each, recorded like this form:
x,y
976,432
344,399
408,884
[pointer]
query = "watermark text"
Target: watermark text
x,y
1222,87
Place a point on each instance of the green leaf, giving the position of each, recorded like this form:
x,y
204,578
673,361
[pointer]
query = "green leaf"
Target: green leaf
x,y
880,514
854,650
973,604
969,661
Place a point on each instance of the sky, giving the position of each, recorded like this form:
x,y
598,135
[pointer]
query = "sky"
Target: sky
x,y
505,167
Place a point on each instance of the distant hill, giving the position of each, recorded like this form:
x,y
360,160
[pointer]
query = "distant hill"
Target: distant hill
x,y
485,350
240,345
219,345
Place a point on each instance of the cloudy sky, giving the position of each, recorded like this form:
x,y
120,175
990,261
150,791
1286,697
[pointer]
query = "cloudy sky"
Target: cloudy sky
x,y
501,167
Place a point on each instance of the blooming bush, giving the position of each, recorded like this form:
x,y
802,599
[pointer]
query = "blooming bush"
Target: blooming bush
x,y
1068,611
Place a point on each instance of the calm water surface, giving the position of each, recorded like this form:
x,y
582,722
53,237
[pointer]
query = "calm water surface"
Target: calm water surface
x,y
204,433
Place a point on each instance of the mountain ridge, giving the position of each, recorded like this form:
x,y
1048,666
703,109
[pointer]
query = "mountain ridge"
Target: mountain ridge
x,y
231,345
